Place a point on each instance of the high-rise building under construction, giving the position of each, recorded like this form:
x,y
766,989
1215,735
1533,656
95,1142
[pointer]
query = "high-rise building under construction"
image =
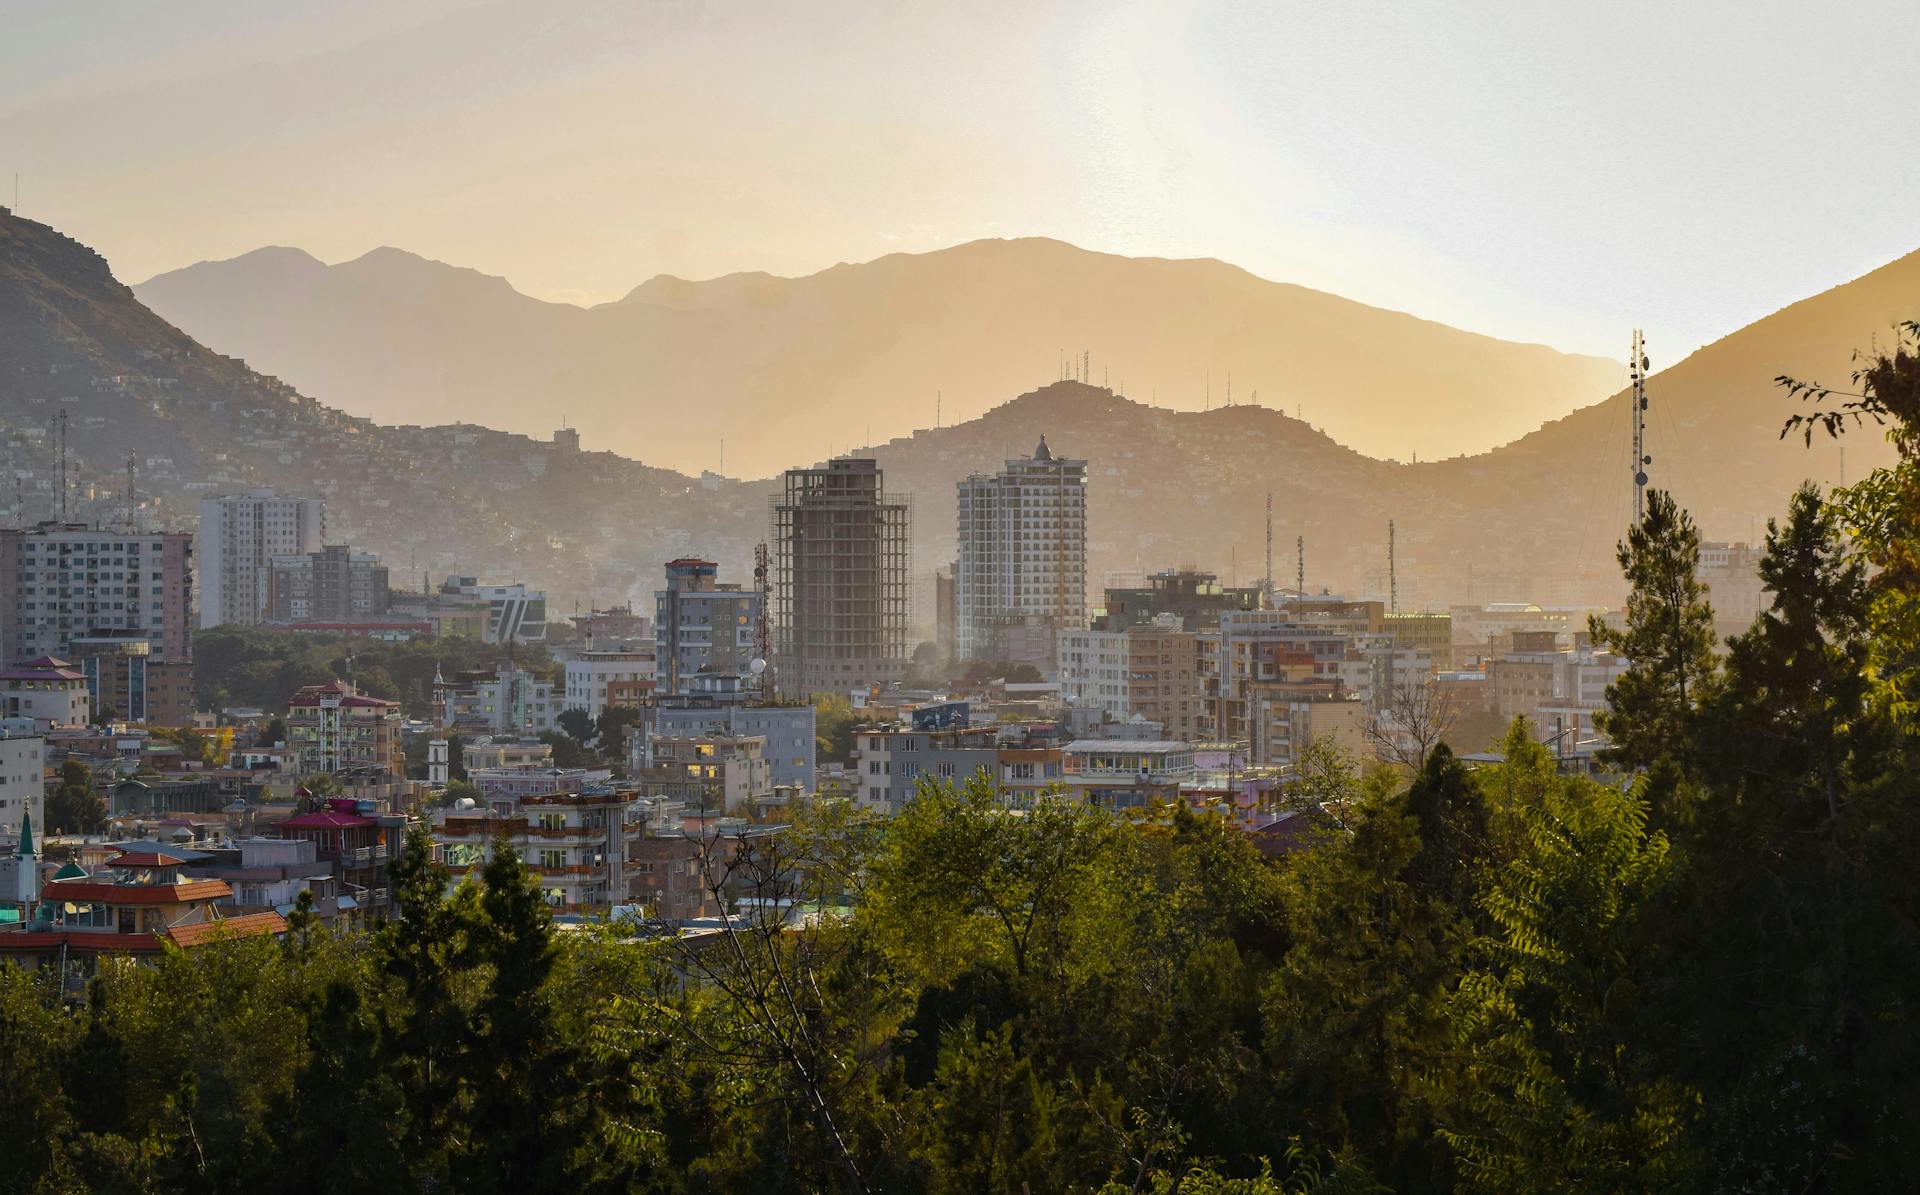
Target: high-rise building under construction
x,y
842,562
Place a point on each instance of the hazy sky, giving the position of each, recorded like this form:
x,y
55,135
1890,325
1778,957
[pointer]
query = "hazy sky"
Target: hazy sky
x,y
1553,172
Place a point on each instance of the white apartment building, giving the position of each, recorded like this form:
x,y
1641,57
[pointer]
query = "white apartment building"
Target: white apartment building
x,y
1021,577
64,581
239,536
23,763
515,614
587,675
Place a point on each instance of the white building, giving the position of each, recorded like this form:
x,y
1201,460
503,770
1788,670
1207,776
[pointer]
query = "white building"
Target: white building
x,y
23,764
587,675
63,581
1022,570
515,614
239,537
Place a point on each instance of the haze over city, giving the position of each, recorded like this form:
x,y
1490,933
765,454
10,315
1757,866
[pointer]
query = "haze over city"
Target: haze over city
x,y
887,597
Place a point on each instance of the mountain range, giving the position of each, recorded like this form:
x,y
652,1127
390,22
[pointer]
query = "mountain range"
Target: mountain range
x,y
1532,520
857,354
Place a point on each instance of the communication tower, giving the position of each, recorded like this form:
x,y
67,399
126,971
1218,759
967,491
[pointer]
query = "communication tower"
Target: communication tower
x,y
1637,366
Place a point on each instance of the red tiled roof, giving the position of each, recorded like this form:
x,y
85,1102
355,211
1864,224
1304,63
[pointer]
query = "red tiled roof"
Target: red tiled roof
x,y
135,894
79,942
245,926
326,819
148,859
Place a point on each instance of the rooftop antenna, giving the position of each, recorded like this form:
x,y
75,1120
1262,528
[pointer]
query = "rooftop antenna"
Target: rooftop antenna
x,y
1269,580
763,629
131,474
936,408
1229,387
1637,366
1300,565
1086,365
723,456
1393,573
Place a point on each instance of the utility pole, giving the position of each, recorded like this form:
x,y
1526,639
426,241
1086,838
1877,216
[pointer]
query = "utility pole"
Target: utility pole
x,y
1638,369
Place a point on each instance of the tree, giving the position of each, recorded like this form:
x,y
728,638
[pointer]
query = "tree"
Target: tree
x,y
273,733
577,724
611,729
1667,640
567,751
74,807
1552,1093
1410,721
423,947
833,722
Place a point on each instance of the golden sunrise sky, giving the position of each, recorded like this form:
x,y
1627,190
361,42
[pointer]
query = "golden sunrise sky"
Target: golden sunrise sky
x,y
1549,172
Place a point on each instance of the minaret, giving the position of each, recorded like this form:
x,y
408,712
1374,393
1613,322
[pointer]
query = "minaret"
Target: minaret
x,y
26,867
440,701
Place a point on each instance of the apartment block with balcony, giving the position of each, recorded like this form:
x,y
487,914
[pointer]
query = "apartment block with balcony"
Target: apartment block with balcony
x,y
1021,578
360,843
335,728
68,580
574,843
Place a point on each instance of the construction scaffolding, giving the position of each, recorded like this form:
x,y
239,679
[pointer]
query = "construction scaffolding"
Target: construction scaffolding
x,y
842,596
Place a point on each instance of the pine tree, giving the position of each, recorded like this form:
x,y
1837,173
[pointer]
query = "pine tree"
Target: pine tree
x,y
1667,640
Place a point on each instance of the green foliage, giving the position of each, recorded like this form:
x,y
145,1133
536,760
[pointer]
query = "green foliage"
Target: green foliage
x,y
74,807
1667,639
260,667
833,722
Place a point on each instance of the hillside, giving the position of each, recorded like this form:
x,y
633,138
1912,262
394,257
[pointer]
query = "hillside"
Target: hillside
x,y
810,365
1533,520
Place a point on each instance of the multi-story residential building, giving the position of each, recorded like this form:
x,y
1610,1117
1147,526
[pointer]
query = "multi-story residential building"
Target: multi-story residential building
x,y
1128,773
239,535
60,580
1021,578
516,783
335,728
515,614
724,774
1197,599
946,612
50,691
718,704
333,585
890,760
574,843
701,625
360,843
613,628
842,560
23,766
125,677
1429,633
1151,670
1285,716
1731,573
1560,692
503,751
508,700
590,672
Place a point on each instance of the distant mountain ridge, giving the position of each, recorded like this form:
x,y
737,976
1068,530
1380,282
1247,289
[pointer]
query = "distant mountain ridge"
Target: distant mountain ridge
x,y
862,351
1533,520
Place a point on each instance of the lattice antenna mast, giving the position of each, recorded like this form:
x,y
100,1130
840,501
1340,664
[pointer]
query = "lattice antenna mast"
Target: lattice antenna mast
x,y
1637,366
1393,572
131,474
763,629
1269,580
1300,565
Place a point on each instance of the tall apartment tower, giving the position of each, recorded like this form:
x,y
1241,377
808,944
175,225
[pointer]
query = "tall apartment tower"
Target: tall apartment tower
x,y
67,581
1022,575
239,537
841,596
701,625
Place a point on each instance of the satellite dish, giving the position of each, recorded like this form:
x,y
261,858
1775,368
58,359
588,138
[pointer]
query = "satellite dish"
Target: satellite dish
x,y
757,666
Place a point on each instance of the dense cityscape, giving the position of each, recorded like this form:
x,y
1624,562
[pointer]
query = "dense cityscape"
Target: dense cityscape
x,y
1117,599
